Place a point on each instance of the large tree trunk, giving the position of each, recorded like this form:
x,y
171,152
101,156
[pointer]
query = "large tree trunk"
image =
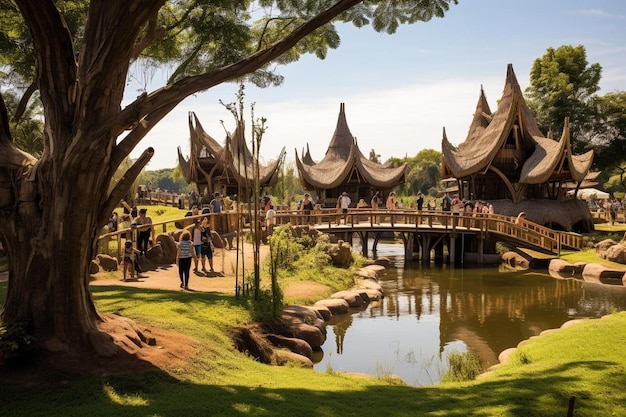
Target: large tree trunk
x,y
52,209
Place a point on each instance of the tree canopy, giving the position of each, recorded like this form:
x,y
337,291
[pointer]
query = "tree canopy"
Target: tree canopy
x,y
562,84
77,56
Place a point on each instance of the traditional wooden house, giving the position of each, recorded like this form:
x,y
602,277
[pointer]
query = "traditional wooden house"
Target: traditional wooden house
x,y
506,158
344,168
216,168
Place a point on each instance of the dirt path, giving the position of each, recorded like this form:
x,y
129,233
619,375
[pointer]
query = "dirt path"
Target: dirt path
x,y
222,280
166,276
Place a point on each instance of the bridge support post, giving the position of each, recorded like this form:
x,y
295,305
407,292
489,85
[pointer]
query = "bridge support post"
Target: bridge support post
x,y
452,248
364,237
408,247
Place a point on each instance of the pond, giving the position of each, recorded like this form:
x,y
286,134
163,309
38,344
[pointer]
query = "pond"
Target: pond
x,y
429,311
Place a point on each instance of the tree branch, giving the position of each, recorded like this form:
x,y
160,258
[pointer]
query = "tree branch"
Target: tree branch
x,y
124,184
21,108
183,88
54,57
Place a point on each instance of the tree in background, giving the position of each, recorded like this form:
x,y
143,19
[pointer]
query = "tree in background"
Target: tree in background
x,y
563,84
609,140
165,180
77,55
374,157
27,126
423,172
288,185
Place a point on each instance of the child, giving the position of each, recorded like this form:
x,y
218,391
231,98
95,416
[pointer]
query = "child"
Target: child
x,y
184,255
129,259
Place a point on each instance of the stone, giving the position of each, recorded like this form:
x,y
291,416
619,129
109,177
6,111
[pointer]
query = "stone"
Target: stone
x,y
298,346
284,357
372,294
303,312
375,268
370,285
562,267
336,306
340,253
594,272
167,243
106,262
307,332
324,312
366,273
94,268
383,261
602,246
616,253
353,298
515,260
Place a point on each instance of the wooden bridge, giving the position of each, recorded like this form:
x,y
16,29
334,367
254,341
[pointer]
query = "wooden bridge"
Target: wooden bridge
x,y
422,232
425,231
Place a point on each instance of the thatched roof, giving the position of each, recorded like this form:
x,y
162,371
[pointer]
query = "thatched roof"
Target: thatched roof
x,y
342,158
489,133
232,163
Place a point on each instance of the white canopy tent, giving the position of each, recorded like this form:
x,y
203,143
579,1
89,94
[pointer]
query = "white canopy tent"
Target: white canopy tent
x,y
589,194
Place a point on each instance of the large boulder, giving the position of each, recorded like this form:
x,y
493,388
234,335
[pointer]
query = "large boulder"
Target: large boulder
x,y
107,263
285,357
616,253
601,247
298,346
336,306
307,332
352,297
167,252
340,253
307,314
515,260
562,267
602,274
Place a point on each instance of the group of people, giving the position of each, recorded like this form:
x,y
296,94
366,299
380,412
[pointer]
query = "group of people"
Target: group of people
x,y
456,206
196,246
138,241
612,206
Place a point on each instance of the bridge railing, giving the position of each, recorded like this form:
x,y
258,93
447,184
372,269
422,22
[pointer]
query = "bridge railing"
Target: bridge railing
x,y
533,233
329,219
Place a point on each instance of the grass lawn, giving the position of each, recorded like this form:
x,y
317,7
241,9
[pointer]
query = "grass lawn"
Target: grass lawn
x,y
585,361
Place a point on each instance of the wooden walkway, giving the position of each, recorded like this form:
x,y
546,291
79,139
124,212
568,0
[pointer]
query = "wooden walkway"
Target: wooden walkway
x,y
424,231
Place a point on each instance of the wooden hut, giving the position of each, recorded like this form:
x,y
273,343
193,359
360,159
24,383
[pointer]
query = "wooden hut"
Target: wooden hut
x,y
216,168
506,158
345,168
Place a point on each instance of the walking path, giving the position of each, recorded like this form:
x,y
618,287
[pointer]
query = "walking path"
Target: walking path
x,y
166,276
222,280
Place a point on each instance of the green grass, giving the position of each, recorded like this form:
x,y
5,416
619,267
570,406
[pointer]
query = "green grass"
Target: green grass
x,y
584,360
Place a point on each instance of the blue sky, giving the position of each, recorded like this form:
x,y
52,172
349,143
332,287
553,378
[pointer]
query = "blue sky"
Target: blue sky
x,y
401,90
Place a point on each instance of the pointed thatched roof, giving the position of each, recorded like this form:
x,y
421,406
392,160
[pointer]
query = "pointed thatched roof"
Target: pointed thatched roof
x,y
489,133
342,159
231,164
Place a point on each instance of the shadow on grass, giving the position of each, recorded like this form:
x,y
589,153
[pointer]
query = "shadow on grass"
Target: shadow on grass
x,y
159,394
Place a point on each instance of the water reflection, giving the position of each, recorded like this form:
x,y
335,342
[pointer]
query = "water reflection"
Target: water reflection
x,y
428,312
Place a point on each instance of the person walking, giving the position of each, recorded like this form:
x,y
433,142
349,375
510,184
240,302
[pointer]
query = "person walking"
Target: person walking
x,y
184,254
143,223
